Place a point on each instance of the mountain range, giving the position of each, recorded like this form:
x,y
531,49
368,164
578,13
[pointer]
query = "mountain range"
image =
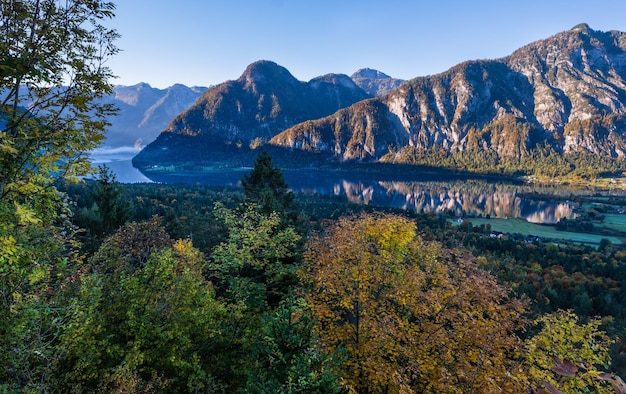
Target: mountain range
x,y
145,111
561,97
237,115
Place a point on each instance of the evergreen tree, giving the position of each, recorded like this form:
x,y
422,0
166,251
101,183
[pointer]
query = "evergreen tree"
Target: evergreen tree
x,y
265,186
286,355
111,210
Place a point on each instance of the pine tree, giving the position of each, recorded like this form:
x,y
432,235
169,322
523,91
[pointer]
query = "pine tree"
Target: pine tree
x,y
112,211
266,187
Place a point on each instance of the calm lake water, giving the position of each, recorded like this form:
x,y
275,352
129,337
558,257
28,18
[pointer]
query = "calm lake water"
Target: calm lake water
x,y
421,193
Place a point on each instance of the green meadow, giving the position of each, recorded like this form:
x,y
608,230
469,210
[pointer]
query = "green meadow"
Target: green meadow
x,y
520,226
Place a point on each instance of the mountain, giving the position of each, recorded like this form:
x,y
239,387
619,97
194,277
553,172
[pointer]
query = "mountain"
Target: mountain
x,y
232,117
145,111
553,107
562,95
374,82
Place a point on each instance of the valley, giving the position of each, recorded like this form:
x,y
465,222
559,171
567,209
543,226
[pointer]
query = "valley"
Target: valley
x,y
503,204
457,232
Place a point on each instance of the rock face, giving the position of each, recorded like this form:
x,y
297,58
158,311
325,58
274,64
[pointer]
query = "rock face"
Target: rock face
x,y
145,111
568,91
374,82
234,115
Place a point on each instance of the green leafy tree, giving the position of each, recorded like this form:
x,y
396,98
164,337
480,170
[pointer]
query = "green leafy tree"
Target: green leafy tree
x,y
256,265
254,271
52,79
153,323
286,356
38,264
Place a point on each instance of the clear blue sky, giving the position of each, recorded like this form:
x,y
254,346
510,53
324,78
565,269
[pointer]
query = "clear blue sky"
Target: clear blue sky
x,y
206,42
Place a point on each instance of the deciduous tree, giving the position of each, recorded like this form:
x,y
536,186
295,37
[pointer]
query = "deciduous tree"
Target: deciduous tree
x,y
411,317
256,265
568,356
154,324
52,78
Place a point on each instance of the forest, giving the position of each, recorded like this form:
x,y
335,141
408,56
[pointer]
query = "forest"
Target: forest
x,y
173,288
154,288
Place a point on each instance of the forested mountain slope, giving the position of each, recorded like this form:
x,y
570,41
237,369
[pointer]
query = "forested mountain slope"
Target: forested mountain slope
x,y
264,101
567,92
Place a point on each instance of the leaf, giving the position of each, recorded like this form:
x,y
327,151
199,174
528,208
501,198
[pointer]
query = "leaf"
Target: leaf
x,y
25,216
564,367
37,274
7,149
551,389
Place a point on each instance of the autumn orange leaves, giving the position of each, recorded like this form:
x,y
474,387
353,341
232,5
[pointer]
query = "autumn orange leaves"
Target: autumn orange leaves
x,y
412,316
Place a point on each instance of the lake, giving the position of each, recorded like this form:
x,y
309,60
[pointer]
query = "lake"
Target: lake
x,y
428,192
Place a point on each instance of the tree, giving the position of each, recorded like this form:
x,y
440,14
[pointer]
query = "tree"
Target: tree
x,y
52,79
39,261
254,272
153,323
112,211
104,209
286,357
410,317
256,265
567,356
265,186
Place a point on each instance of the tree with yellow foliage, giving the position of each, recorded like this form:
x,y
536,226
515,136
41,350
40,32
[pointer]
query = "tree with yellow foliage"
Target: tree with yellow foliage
x,y
410,317
567,356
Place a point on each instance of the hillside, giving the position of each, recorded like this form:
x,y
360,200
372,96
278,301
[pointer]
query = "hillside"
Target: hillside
x,y
231,117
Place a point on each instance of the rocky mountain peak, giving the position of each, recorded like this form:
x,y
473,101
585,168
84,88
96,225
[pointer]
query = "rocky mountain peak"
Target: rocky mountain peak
x,y
369,73
235,115
136,94
334,79
265,72
145,111
583,27
566,92
374,82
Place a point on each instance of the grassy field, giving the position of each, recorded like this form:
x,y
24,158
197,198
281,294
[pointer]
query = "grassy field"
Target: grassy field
x,y
520,226
615,221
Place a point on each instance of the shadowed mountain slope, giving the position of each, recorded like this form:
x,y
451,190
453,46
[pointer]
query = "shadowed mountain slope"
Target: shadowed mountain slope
x,y
234,115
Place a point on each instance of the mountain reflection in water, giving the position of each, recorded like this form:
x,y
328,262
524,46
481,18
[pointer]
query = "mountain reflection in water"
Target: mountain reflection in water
x,y
431,193
458,198
479,198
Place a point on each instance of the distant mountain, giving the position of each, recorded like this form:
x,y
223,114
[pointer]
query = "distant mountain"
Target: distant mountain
x,y
231,117
374,82
558,104
565,94
145,111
